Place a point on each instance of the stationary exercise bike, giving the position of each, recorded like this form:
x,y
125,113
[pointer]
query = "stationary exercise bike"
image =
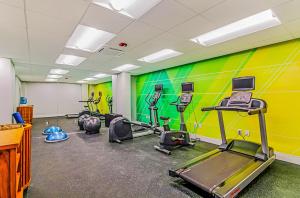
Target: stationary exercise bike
x,y
122,129
170,140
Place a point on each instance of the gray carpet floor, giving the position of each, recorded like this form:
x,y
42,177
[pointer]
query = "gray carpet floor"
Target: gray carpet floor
x,y
88,166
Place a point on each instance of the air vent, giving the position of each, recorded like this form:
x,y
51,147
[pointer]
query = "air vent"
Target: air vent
x,y
109,51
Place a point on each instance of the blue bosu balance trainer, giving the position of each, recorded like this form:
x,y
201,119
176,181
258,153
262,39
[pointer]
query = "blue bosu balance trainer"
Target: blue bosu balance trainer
x,y
55,134
51,129
57,137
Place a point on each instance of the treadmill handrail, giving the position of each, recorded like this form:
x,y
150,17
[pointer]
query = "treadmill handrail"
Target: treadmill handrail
x,y
233,108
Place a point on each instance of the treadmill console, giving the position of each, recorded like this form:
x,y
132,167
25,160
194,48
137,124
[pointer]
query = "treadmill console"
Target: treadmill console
x,y
186,98
240,97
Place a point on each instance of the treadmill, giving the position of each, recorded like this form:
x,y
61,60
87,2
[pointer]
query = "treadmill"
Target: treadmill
x,y
227,170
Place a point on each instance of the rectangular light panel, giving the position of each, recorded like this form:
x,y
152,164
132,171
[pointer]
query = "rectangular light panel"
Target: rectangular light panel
x,y
126,67
51,79
54,76
101,75
160,56
58,71
89,79
81,81
64,59
131,8
88,39
251,24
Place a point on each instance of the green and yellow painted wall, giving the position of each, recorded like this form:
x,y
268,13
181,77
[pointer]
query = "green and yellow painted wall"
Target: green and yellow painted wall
x,y
106,89
277,71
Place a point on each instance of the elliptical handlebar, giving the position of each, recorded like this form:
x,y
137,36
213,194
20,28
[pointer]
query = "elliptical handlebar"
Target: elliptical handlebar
x,y
147,99
176,101
151,100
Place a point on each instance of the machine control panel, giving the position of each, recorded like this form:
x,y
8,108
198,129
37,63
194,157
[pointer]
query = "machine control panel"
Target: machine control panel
x,y
186,98
240,99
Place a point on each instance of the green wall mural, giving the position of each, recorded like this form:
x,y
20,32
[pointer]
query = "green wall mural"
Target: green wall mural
x,y
106,89
277,70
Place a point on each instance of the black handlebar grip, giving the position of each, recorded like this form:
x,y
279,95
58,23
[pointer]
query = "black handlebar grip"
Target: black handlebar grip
x,y
207,108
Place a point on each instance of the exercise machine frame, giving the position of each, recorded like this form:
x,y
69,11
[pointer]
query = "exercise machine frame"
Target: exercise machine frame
x,y
226,171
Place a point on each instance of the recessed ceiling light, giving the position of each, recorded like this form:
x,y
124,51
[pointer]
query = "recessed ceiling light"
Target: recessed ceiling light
x,y
251,24
89,79
81,81
58,71
101,75
88,39
131,8
51,80
126,67
64,59
54,76
160,56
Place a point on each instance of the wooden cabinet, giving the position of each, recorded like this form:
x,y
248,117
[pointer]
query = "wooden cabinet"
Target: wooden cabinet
x,y
15,157
26,113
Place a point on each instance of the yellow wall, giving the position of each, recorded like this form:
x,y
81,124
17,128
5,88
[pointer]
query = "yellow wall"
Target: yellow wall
x,y
277,71
106,90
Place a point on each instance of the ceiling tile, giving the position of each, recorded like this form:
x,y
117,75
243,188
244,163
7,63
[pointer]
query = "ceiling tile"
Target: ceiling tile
x,y
13,43
233,10
193,27
31,78
37,21
134,34
11,17
167,14
288,11
71,10
45,47
293,28
16,3
199,6
104,19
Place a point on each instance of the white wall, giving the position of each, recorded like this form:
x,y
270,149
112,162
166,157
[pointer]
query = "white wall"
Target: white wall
x,y
133,98
18,92
7,93
121,85
53,99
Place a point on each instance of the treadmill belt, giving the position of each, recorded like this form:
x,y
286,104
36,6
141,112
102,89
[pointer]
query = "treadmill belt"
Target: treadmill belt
x,y
213,171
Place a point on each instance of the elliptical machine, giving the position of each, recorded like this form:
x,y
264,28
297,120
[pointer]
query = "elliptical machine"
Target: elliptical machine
x,y
88,108
90,121
152,100
170,140
110,116
122,129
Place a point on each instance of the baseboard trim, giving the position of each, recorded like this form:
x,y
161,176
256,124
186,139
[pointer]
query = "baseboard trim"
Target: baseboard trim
x,y
48,116
279,156
288,158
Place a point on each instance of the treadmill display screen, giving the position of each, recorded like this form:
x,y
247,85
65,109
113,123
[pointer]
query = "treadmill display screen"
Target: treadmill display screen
x,y
158,87
243,83
187,87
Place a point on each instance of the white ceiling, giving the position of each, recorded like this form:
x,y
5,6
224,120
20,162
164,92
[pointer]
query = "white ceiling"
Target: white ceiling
x,y
33,32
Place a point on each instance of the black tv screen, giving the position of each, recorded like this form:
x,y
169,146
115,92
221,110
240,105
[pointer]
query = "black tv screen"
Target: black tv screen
x,y
158,87
187,87
243,83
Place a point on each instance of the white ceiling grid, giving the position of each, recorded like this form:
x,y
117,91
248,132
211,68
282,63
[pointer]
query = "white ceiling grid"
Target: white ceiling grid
x,y
34,32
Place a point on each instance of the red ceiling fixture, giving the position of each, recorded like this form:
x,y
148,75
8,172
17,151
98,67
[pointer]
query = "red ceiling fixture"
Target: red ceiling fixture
x,y
123,44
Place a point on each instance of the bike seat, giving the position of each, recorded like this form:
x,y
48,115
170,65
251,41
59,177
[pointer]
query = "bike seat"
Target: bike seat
x,y
164,118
